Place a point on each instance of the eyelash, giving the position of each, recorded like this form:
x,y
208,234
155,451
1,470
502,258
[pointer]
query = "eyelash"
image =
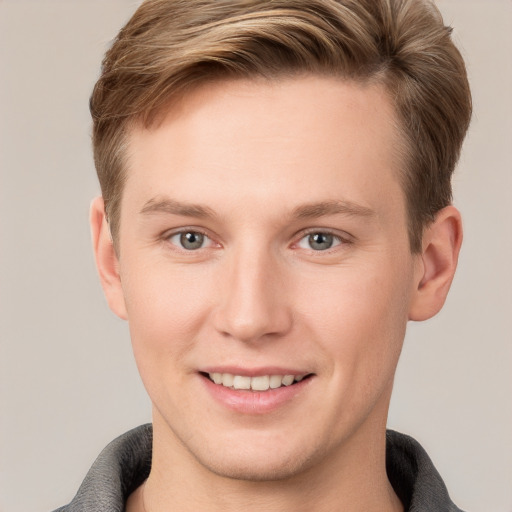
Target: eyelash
x,y
340,240
168,236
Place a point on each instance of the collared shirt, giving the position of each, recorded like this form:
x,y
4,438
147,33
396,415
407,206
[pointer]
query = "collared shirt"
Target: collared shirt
x,y
126,462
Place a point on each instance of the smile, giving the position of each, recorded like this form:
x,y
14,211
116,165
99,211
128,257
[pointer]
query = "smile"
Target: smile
x,y
258,383
256,391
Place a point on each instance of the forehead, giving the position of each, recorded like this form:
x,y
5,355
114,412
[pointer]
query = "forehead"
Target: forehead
x,y
322,136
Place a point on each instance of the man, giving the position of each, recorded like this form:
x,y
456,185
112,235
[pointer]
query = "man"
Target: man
x,y
275,208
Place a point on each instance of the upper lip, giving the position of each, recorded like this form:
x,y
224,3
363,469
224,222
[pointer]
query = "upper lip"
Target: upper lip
x,y
254,372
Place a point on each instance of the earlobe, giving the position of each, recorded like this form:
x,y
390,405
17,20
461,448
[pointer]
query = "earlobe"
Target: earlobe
x,y
440,252
107,262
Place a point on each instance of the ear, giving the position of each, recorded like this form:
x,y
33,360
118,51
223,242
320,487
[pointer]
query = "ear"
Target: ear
x,y
107,262
437,264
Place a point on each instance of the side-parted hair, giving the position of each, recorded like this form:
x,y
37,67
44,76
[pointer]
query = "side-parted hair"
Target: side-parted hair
x,y
169,47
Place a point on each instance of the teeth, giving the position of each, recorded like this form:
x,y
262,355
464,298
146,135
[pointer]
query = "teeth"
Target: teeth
x,y
288,379
276,381
240,382
216,377
259,383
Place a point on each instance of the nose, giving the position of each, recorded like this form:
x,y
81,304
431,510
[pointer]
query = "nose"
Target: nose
x,y
253,303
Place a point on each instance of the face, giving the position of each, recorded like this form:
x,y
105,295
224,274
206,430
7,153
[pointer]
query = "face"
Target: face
x,y
263,245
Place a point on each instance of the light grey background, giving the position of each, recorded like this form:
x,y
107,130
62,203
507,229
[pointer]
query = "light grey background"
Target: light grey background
x,y
68,384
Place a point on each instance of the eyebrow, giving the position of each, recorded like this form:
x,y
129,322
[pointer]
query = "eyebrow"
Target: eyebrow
x,y
306,211
313,210
173,207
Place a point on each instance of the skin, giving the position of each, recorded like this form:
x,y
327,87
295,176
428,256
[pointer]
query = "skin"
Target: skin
x,y
255,156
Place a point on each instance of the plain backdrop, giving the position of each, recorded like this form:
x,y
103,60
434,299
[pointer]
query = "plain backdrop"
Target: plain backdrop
x,y
68,384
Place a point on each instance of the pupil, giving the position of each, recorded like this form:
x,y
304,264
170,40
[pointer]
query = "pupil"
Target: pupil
x,y
320,241
192,240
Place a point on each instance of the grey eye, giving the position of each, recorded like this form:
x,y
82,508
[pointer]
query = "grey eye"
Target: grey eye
x,y
319,241
189,240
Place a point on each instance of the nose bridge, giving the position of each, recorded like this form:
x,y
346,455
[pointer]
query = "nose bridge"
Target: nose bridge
x,y
252,303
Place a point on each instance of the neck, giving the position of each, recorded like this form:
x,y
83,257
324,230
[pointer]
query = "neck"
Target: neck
x,y
354,479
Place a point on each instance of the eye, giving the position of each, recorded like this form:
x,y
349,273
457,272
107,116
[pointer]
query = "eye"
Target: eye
x,y
319,241
190,240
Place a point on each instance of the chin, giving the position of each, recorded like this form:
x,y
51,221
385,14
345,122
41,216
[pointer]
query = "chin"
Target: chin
x,y
252,469
262,461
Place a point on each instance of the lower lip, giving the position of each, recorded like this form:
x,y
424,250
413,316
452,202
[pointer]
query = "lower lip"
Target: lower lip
x,y
255,402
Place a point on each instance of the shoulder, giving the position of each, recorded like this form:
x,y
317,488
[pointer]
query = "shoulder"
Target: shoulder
x,y
414,476
119,469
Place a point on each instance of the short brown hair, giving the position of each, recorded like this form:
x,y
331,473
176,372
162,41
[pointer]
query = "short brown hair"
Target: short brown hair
x,y
170,46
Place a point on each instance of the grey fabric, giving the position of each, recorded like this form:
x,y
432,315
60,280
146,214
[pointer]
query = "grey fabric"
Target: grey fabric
x,y
414,477
125,463
119,469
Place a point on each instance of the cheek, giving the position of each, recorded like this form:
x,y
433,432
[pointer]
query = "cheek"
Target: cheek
x,y
166,308
360,318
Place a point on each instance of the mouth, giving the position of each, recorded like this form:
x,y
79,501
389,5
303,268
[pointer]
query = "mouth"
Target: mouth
x,y
257,383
